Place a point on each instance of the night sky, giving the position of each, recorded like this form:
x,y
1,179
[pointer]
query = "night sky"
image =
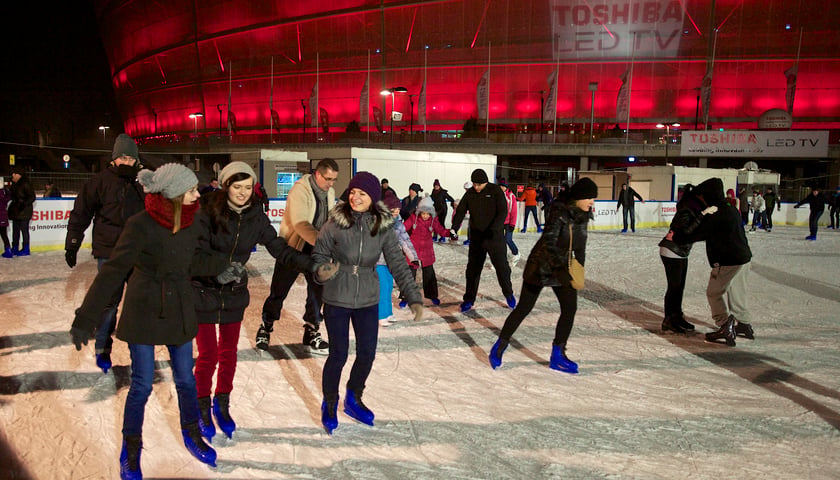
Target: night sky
x,y
56,78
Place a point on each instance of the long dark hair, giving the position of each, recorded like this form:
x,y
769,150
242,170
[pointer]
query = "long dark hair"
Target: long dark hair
x,y
217,203
347,211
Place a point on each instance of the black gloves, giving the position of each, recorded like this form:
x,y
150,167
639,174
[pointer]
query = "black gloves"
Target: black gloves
x,y
415,264
70,257
80,337
234,272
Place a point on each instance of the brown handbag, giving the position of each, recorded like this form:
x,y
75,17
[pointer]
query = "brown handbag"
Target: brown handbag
x,y
575,268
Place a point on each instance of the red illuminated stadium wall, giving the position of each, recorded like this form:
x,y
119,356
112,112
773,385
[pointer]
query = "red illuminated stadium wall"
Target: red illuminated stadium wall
x,y
171,59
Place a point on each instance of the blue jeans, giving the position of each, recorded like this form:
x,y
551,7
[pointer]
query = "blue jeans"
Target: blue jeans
x,y
105,330
366,329
509,239
533,211
143,376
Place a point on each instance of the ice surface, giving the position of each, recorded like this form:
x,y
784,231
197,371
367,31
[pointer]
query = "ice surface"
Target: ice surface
x,y
645,405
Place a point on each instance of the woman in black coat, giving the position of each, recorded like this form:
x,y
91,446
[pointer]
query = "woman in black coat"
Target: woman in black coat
x,y
548,266
20,211
231,222
158,247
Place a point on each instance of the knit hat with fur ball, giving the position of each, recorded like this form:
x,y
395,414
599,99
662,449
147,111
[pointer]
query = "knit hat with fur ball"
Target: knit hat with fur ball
x,y
170,180
390,200
124,145
233,168
368,183
426,205
583,189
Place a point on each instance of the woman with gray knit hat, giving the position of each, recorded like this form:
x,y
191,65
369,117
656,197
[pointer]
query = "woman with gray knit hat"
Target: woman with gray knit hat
x,y
548,266
357,233
158,248
231,223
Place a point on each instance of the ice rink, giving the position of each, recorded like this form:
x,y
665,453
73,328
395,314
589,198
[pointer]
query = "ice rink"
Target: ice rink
x,y
645,405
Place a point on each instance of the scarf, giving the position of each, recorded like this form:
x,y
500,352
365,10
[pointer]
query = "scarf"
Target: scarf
x,y
161,211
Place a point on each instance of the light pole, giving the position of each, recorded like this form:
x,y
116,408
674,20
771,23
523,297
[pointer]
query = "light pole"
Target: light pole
x,y
593,87
219,108
303,105
391,91
667,136
195,116
104,128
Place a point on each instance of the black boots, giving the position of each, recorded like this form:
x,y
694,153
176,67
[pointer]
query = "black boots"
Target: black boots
x,y
676,324
264,333
744,330
726,332
329,413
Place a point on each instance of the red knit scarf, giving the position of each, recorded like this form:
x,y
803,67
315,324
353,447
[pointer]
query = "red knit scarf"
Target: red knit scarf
x,y
161,210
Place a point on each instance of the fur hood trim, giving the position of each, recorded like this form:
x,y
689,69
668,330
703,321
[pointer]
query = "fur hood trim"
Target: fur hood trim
x,y
341,219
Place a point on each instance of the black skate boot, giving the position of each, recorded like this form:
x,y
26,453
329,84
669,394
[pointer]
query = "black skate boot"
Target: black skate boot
x,y
726,332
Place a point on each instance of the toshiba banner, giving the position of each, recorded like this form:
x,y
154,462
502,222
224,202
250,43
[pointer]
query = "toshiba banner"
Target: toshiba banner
x,y
747,143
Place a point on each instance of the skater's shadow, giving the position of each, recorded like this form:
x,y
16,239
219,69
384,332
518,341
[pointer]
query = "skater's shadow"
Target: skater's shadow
x,y
807,285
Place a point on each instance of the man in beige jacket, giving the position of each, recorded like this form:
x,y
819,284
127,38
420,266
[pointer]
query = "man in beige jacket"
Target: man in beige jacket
x,y
307,207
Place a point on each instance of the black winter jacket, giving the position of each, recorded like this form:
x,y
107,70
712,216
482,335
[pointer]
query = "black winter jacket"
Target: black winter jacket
x,y
23,199
218,303
487,208
685,222
548,263
346,239
159,303
107,200
723,232
816,202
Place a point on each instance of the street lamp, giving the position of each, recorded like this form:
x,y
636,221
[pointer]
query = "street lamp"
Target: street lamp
x,y
391,91
667,135
195,116
104,128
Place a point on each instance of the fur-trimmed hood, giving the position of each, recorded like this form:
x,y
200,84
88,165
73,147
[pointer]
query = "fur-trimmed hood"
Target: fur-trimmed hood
x,y
345,219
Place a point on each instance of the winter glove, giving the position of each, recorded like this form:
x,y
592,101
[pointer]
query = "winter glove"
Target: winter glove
x,y
710,210
233,273
796,206
70,257
80,337
415,264
326,272
417,310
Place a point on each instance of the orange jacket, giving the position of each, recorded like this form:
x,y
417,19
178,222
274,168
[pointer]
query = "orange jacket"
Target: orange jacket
x,y
529,196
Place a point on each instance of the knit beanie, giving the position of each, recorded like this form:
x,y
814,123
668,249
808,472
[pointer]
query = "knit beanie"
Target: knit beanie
x,y
390,200
171,180
479,176
503,183
583,189
436,183
234,168
124,145
368,183
426,205
415,187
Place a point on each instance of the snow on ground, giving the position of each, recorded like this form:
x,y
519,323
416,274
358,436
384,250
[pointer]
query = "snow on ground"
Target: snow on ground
x,y
645,405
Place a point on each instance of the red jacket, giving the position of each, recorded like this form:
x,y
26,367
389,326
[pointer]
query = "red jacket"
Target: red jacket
x,y
529,196
420,232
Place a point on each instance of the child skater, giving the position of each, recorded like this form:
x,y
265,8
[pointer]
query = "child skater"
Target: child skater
x,y
421,226
386,280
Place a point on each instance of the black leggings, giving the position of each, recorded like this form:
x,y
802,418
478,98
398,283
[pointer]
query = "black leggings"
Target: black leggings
x,y
675,273
5,234
566,296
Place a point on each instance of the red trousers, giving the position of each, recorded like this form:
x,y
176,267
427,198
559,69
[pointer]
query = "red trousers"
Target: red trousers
x,y
216,350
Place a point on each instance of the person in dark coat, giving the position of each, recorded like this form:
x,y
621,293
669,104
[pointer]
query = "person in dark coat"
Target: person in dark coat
x,y
20,211
626,199
5,196
409,203
108,200
690,212
387,188
158,247
51,191
771,201
357,233
548,266
231,222
487,206
834,209
439,197
729,255
817,204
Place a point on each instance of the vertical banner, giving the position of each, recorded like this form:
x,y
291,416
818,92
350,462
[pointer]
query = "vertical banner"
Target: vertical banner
x,y
622,101
313,106
325,120
483,94
275,120
364,103
421,106
377,118
231,121
706,93
790,91
550,107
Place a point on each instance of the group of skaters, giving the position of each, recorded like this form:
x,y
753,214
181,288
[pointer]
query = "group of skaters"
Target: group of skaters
x,y
183,271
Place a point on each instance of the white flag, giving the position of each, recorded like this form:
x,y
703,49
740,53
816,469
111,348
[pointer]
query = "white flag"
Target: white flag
x,y
313,105
622,102
790,92
421,106
550,107
483,92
